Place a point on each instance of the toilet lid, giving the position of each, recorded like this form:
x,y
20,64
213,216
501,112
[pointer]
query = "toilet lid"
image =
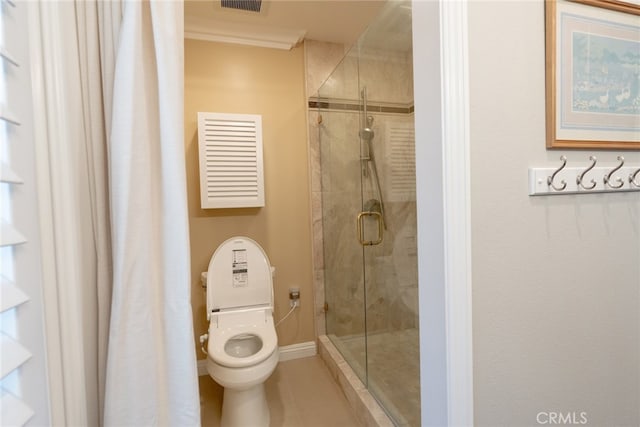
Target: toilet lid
x,y
239,275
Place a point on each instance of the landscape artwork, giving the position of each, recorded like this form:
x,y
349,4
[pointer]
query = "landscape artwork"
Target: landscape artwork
x,y
593,75
606,74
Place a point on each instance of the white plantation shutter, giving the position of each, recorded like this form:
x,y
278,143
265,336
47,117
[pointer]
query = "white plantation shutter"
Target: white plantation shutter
x,y
23,380
231,169
401,162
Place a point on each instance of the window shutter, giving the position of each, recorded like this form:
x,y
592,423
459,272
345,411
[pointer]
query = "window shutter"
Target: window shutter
x,y
21,337
401,166
231,170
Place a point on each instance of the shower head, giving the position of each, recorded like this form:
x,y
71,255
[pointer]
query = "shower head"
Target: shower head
x,y
367,132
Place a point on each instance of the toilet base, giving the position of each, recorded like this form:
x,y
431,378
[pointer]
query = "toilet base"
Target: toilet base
x,y
242,408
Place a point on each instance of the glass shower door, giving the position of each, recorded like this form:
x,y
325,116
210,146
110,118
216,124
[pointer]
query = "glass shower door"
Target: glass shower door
x,y
341,202
367,157
388,218
388,186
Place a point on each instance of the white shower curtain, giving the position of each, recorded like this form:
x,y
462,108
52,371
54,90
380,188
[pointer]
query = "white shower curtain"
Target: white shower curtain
x,y
108,97
151,367
96,59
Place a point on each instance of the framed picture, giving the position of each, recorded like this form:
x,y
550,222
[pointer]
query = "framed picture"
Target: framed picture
x,y
592,74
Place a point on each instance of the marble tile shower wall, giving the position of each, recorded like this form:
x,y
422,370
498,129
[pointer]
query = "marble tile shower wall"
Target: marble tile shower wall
x,y
343,273
388,76
389,275
390,278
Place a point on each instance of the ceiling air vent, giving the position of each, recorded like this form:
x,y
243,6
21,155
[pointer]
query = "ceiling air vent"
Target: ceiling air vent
x,y
248,5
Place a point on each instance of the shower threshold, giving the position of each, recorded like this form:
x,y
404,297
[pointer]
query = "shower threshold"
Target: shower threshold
x,y
366,407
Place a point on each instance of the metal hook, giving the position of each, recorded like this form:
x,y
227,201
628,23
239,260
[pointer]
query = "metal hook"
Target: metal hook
x,y
580,178
632,178
553,175
607,177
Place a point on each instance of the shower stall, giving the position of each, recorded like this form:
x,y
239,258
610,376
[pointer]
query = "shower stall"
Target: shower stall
x,y
367,162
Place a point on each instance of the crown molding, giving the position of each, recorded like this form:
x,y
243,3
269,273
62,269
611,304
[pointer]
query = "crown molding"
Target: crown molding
x,y
241,33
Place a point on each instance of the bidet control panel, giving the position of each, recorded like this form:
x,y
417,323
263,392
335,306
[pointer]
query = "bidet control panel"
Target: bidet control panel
x,y
239,267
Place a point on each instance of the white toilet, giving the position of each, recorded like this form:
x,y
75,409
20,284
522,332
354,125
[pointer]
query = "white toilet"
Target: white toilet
x,y
243,345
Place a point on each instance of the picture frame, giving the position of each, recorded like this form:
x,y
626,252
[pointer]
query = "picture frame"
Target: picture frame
x,y
592,74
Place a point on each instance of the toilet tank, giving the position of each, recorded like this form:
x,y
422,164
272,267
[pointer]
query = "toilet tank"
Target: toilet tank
x,y
239,275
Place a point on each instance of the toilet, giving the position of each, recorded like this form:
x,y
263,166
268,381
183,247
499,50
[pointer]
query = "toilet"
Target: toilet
x,y
242,344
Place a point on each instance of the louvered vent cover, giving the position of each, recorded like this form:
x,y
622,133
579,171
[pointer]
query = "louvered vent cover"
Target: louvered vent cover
x,y
249,5
231,172
401,162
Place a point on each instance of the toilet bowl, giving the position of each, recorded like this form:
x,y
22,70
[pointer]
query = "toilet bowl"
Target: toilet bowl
x,y
242,345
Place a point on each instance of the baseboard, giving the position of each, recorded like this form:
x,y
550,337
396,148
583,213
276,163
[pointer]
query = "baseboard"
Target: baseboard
x,y
298,351
287,352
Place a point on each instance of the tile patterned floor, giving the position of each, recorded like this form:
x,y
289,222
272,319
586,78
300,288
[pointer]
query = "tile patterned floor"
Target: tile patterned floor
x,y
393,369
300,393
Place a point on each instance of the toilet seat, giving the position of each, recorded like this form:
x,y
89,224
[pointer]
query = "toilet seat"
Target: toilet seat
x,y
231,324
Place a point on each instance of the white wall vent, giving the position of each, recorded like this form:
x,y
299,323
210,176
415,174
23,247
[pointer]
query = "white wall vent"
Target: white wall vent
x,y
231,170
401,162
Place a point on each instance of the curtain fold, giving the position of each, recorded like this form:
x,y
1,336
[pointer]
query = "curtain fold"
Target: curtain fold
x,y
97,25
151,365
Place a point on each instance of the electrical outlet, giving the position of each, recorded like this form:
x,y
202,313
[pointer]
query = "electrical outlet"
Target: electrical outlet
x,y
294,297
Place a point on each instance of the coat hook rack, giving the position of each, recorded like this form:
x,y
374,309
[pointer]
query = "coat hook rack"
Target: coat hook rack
x,y
565,179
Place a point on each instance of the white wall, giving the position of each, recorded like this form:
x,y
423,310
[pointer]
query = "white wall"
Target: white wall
x,y
556,280
429,211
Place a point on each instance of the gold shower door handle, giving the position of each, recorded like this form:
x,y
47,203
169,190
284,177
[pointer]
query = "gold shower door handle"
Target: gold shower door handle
x,y
360,228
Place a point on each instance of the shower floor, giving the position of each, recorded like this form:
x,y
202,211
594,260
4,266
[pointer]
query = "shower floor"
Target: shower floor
x,y
394,370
